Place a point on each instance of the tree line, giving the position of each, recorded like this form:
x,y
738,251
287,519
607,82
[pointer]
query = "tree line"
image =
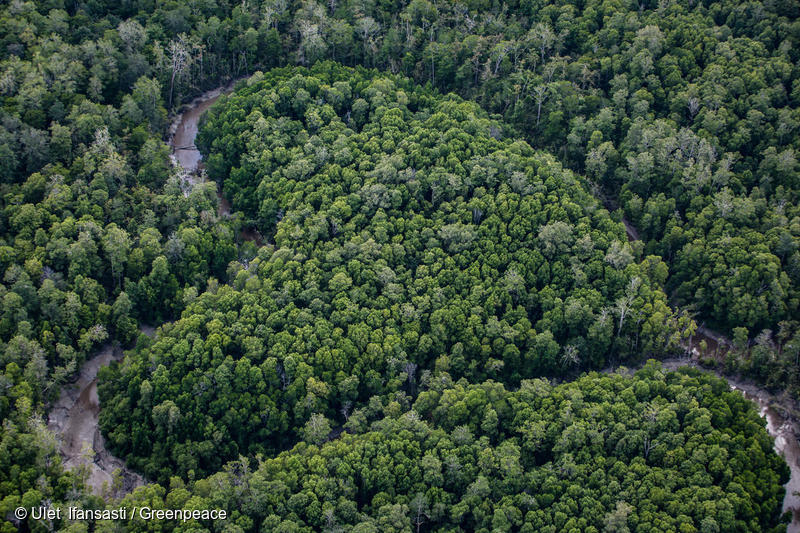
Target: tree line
x,y
407,238
684,113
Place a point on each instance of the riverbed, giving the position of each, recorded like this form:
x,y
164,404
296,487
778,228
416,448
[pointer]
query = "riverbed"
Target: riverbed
x,y
182,134
74,419
183,130
188,158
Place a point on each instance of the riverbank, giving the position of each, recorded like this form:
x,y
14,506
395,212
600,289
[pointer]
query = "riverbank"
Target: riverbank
x,y
74,419
188,159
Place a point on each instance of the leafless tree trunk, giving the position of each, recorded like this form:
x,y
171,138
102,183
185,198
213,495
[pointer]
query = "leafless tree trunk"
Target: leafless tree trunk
x,y
540,94
180,58
649,444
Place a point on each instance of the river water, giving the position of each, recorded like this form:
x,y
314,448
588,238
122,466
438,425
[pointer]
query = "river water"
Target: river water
x,y
184,129
187,157
74,419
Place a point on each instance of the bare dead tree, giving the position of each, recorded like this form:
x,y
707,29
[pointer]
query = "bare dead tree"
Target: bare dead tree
x,y
180,58
540,94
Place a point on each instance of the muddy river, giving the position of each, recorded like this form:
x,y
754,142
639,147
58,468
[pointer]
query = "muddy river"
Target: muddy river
x,y
184,130
187,157
74,420
74,417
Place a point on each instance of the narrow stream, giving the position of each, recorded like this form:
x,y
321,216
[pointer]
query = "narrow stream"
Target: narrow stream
x,y
187,157
74,419
185,131
185,154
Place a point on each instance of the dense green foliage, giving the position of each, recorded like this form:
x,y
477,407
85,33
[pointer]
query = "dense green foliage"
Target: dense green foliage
x,y
409,238
416,239
85,254
96,232
685,111
659,452
67,287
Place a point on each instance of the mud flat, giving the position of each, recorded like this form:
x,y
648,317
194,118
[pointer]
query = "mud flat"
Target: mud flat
x,y
785,431
74,419
183,130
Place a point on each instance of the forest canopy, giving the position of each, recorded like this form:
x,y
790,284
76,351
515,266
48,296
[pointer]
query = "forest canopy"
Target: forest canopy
x,y
410,240
432,180
658,452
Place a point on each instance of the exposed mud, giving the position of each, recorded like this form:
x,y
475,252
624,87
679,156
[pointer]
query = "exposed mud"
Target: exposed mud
x,y
183,130
785,431
716,344
74,419
185,155
188,158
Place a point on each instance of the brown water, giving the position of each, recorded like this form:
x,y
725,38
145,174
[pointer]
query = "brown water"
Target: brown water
x,y
74,421
186,155
185,131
